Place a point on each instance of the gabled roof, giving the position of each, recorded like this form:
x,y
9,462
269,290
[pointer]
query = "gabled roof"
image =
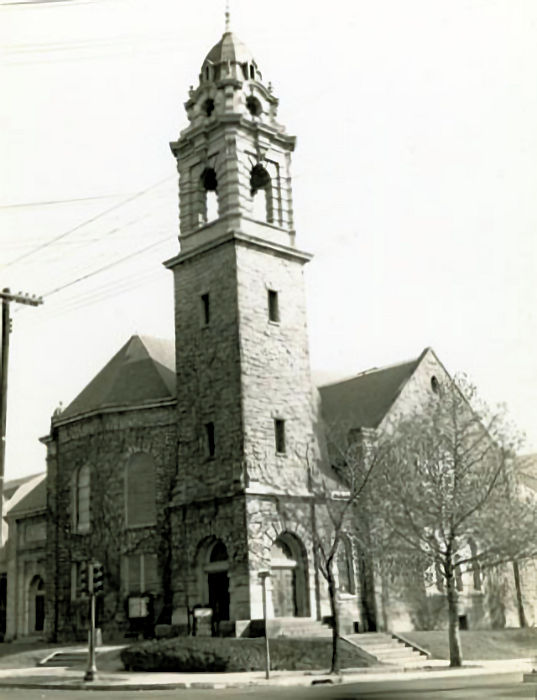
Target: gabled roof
x,y
364,400
12,485
143,371
35,499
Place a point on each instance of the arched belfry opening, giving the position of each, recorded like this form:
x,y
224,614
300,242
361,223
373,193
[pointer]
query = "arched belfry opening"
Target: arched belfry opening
x,y
289,575
209,209
261,191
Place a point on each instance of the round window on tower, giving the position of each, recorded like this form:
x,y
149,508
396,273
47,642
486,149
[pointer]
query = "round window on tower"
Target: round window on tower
x,y
253,105
208,106
436,386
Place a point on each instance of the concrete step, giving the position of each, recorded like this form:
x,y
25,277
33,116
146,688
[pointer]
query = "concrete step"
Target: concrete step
x,y
387,649
65,659
297,627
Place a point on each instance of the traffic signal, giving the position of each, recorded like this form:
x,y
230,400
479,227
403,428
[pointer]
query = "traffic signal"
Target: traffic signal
x,y
98,577
83,572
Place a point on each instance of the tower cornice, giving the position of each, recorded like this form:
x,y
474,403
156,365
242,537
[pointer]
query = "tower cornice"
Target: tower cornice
x,y
191,133
240,238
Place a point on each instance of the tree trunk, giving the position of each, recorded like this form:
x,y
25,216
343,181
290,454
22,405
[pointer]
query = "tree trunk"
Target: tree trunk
x,y
519,602
455,652
335,618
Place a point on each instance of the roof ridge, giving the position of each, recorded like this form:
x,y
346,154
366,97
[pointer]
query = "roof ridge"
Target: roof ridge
x,y
371,370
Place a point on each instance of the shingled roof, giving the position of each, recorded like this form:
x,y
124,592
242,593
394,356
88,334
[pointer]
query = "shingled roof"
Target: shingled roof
x,y
34,500
142,372
365,399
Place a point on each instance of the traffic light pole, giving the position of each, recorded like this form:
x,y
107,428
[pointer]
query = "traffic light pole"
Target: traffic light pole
x,y
92,666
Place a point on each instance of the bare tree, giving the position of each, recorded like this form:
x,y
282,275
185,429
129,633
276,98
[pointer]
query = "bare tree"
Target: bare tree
x,y
446,493
338,490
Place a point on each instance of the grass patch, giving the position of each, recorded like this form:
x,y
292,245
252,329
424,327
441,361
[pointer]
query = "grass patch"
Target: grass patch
x,y
480,644
206,654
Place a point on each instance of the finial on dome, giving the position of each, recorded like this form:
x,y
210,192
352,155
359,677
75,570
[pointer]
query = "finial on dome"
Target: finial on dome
x,y
228,17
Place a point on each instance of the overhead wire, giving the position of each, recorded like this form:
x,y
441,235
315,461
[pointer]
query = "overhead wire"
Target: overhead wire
x,y
118,288
108,266
72,230
25,205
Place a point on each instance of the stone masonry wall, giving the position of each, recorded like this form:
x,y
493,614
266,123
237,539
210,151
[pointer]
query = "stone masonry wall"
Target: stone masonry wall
x,y
208,376
196,527
105,442
276,381
268,517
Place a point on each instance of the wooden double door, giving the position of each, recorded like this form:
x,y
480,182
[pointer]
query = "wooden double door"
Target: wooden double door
x,y
284,591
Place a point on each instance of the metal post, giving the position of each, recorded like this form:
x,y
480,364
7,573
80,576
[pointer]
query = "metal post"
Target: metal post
x,y
92,667
263,575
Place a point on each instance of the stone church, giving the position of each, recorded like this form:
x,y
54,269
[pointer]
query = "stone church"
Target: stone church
x,y
185,467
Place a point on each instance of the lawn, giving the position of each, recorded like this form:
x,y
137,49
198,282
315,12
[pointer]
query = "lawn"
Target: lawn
x,y
480,644
205,654
22,654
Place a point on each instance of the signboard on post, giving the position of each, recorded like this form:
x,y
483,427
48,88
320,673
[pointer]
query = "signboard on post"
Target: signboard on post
x,y
138,606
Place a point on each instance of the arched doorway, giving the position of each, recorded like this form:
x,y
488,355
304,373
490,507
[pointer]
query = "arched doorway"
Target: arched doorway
x,y
216,570
289,577
36,605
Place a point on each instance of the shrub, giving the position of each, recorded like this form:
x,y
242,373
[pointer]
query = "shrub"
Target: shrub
x,y
207,654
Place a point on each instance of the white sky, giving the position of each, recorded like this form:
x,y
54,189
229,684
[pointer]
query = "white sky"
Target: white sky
x,y
415,183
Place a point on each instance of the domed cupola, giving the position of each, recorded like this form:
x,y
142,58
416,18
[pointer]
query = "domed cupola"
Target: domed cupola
x,y
230,82
229,58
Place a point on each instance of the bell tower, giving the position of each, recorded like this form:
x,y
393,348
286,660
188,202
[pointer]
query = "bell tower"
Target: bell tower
x,y
244,392
234,157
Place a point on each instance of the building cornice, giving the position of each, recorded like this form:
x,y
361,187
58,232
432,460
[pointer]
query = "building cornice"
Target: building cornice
x,y
244,239
58,422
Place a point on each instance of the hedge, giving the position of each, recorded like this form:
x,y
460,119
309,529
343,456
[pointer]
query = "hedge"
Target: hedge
x,y
206,654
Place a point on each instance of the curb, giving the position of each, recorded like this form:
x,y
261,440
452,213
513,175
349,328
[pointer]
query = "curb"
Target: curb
x,y
309,679
89,686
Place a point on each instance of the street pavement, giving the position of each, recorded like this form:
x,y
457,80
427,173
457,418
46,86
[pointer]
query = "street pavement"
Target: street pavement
x,y
436,678
505,686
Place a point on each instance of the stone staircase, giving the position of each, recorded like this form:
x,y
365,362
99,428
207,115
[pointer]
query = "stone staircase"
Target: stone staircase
x,y
388,649
66,658
297,627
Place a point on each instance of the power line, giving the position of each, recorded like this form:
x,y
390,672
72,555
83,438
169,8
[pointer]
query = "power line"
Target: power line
x,y
107,267
115,290
24,205
70,231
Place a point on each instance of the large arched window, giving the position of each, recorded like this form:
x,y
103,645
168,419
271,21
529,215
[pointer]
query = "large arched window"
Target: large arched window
x,y
36,605
80,499
345,566
140,490
261,191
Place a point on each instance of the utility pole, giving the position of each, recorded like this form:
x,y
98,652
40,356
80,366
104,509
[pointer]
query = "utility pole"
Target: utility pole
x,y
7,297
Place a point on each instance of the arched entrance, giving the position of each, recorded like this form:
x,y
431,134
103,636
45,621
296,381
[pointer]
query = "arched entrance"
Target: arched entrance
x,y
289,577
216,570
36,605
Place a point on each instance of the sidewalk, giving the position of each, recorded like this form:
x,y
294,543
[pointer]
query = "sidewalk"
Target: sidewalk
x,y
60,678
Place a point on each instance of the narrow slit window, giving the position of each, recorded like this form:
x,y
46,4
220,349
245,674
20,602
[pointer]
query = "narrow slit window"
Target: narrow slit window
x,y
273,306
279,435
205,309
211,445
